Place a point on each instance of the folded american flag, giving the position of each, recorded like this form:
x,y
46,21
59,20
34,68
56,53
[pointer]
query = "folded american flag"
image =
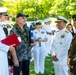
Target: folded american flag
x,y
31,34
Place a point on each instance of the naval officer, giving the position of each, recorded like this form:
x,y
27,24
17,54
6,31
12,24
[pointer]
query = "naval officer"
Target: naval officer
x,y
40,38
60,47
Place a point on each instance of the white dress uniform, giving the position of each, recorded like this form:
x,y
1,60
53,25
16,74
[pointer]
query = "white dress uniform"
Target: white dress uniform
x,y
39,51
60,47
47,28
3,55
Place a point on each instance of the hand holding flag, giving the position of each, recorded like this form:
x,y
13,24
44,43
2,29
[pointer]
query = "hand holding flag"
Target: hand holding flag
x,y
32,37
31,34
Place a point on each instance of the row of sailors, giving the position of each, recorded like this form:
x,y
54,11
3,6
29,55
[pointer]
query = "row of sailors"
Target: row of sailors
x,y
43,37
56,44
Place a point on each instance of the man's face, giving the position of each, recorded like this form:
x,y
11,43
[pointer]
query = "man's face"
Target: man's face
x,y
60,25
2,17
21,20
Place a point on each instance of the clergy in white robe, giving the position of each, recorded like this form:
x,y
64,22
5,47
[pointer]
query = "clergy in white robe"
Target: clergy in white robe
x,y
3,48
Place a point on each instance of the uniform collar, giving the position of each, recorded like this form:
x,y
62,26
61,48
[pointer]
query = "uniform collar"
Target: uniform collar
x,y
63,29
38,30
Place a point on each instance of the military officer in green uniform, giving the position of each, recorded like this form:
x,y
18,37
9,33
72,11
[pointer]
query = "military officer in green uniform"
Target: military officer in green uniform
x,y
72,54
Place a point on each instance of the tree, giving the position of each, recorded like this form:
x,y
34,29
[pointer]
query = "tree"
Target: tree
x,y
1,3
42,8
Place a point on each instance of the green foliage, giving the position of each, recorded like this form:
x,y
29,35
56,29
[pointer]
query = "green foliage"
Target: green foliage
x,y
13,18
31,19
41,8
35,8
1,3
49,68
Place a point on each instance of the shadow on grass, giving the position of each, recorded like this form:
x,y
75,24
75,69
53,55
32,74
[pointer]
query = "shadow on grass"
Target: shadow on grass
x,y
49,68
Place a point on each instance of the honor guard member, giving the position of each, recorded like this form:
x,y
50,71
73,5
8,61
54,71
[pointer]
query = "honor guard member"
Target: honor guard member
x,y
72,54
39,49
3,48
74,22
47,28
60,47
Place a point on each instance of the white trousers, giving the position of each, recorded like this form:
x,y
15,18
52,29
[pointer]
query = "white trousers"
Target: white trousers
x,y
61,69
48,45
39,59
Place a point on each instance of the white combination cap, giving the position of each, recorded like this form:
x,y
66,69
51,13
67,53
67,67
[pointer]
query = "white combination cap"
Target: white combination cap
x,y
3,10
38,22
47,20
61,18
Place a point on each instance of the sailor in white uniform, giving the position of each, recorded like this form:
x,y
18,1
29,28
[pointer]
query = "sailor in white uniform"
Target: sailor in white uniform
x,y
48,29
60,47
3,48
39,49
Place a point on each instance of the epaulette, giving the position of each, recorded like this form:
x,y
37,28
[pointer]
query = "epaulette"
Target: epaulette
x,y
66,31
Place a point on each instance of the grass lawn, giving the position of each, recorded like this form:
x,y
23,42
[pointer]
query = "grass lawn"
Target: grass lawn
x,y
49,69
